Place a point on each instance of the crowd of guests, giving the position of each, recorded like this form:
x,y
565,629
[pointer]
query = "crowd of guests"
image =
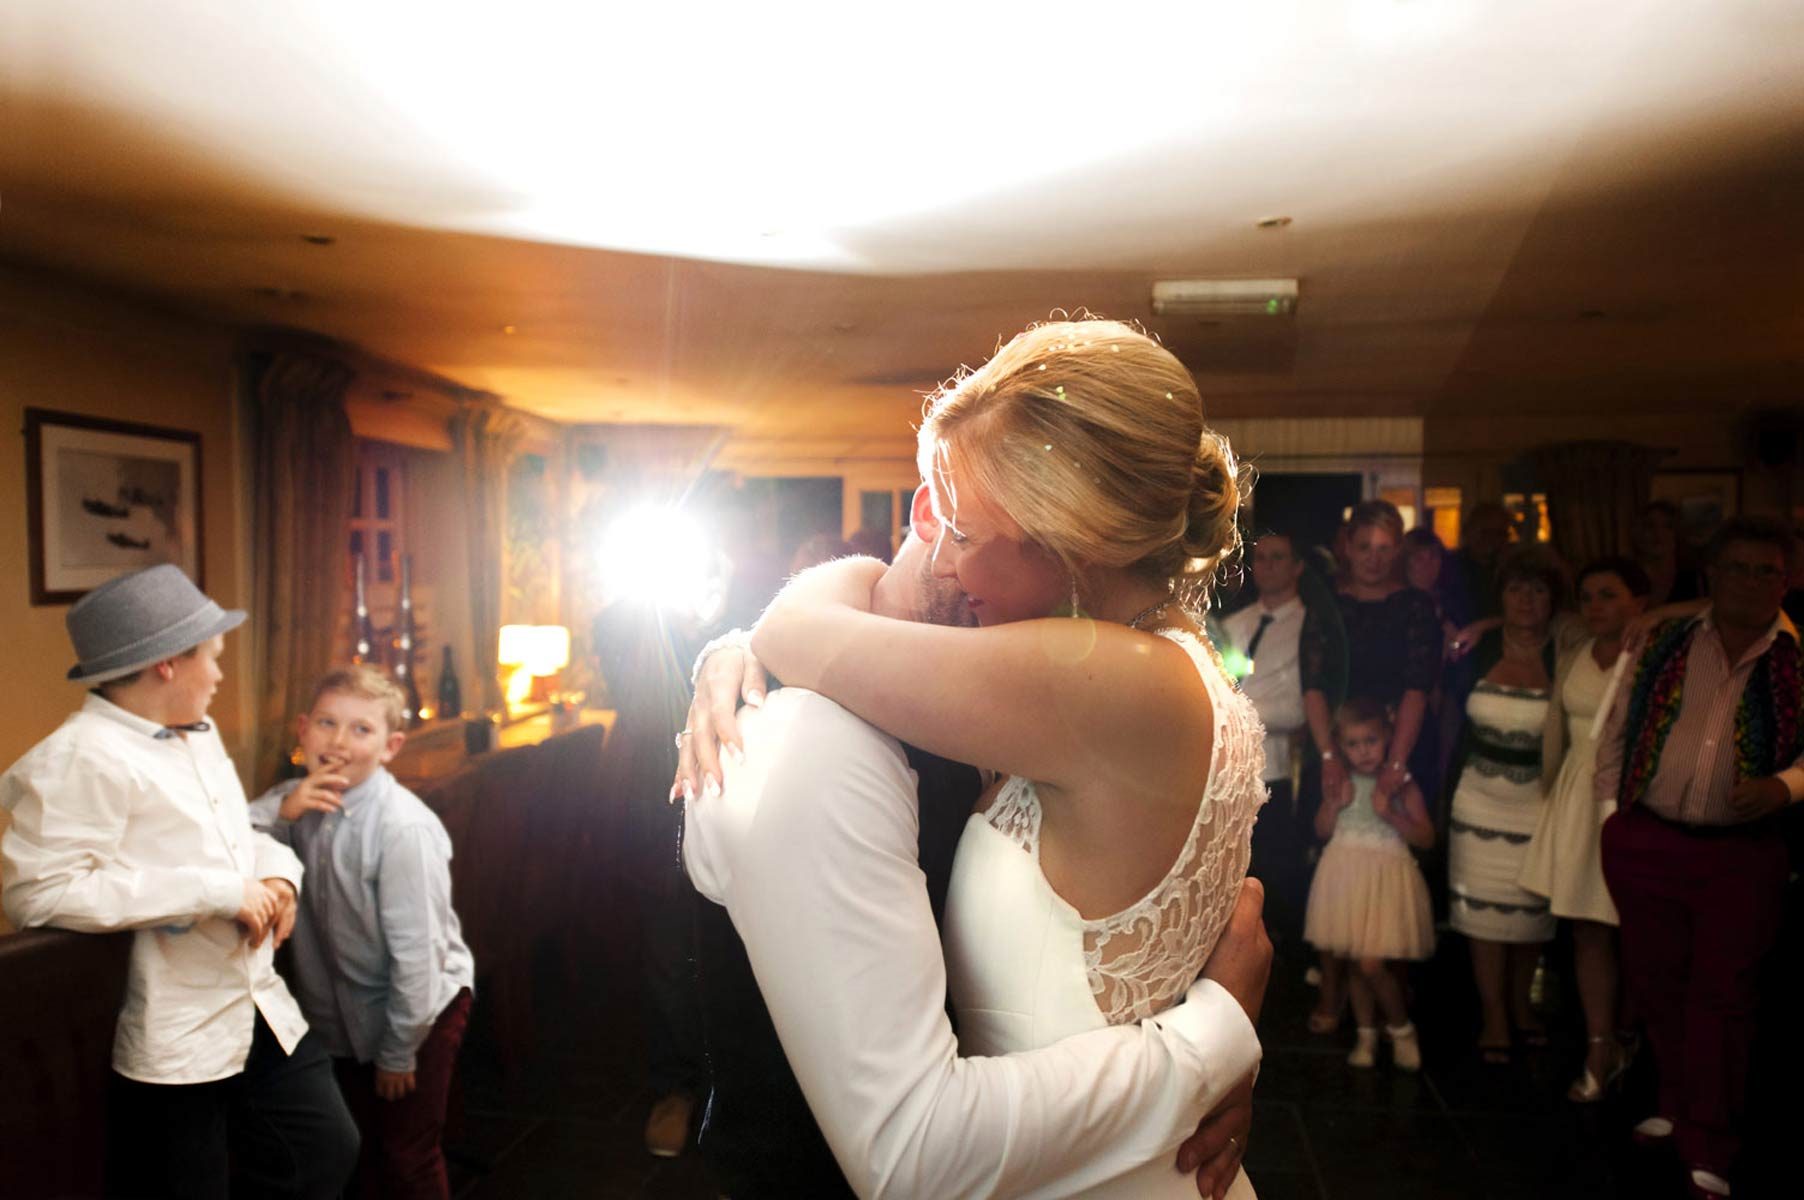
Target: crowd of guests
x,y
230,1078
1482,741
1492,742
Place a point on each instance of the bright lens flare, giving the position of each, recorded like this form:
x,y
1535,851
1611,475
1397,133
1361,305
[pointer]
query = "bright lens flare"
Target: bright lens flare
x,y
658,555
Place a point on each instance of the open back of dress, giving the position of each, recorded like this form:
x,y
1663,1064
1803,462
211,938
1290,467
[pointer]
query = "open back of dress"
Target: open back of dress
x,y
1026,970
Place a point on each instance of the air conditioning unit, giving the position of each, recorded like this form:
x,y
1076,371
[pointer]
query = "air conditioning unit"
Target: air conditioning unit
x,y
1225,297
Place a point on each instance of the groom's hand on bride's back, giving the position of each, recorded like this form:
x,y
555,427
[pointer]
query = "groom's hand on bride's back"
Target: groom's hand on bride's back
x,y
1242,961
1214,1152
1242,964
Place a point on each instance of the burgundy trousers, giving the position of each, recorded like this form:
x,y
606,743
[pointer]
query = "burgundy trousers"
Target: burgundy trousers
x,y
403,1156
1700,908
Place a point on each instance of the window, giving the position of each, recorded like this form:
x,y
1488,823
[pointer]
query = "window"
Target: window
x,y
376,511
375,531
875,512
1528,516
1444,505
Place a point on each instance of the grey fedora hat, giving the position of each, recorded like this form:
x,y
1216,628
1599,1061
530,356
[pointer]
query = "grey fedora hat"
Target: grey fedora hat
x,y
128,623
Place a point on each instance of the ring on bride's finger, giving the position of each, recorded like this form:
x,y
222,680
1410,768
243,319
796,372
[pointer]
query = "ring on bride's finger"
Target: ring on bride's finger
x,y
679,737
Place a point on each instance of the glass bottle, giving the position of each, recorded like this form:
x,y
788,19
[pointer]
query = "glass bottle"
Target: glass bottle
x,y
450,693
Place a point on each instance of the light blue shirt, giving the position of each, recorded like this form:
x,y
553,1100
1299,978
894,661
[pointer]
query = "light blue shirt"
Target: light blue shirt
x,y
1360,823
378,952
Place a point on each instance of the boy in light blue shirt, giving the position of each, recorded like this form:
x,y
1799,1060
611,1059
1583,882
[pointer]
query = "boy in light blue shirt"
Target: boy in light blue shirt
x,y
381,969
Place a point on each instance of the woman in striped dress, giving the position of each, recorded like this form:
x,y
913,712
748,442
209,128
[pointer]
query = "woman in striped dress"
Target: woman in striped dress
x,y
1498,803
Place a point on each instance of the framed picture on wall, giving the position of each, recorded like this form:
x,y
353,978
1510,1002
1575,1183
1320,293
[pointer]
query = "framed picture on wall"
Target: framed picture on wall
x,y
1705,499
106,497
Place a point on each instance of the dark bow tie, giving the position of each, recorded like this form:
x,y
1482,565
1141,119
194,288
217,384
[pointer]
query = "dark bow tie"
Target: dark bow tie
x,y
169,731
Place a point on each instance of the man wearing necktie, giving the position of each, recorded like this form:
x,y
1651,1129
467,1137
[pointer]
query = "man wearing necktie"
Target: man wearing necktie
x,y
1264,651
131,816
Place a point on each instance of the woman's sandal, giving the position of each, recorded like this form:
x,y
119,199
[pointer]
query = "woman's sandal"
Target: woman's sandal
x,y
1653,1133
1703,1184
1323,1023
1587,1088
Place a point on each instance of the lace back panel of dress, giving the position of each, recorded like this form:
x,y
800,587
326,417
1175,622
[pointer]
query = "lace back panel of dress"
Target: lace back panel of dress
x,y
1142,959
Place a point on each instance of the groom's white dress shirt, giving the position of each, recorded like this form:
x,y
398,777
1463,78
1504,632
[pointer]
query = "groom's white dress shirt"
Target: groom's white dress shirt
x,y
118,825
812,849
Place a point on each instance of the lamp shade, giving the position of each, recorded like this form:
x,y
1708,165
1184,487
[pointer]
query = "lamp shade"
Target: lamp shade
x,y
538,649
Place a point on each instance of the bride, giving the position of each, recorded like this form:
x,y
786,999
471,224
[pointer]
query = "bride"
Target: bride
x,y
1082,506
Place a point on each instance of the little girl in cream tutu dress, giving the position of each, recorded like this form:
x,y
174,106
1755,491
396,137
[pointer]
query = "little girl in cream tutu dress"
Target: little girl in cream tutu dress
x,y
1369,902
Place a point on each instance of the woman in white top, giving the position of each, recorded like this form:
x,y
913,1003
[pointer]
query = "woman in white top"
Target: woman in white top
x,y
1564,862
1083,506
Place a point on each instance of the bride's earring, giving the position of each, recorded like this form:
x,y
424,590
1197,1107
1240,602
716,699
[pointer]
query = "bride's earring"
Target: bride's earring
x,y
1075,611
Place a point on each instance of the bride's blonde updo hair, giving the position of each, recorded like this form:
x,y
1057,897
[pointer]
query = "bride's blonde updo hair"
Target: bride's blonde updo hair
x,y
1089,436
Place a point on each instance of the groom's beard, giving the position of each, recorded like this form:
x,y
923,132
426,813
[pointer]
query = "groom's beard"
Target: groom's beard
x,y
943,601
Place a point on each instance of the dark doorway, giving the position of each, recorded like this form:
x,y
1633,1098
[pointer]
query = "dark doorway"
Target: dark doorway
x,y
1306,506
807,506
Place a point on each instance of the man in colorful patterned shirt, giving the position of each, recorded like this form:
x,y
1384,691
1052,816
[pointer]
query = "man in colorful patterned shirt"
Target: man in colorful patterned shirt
x,y
1702,750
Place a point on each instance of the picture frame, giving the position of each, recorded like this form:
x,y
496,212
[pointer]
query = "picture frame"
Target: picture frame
x,y
1704,498
105,497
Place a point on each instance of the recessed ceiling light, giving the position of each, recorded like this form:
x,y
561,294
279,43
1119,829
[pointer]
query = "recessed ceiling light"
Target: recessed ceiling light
x,y
319,239
507,329
1271,222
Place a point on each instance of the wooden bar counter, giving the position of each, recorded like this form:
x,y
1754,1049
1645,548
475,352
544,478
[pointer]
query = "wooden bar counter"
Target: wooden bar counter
x,y
529,822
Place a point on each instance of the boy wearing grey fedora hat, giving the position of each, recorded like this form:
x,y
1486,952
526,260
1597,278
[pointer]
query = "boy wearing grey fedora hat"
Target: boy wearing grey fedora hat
x,y
131,816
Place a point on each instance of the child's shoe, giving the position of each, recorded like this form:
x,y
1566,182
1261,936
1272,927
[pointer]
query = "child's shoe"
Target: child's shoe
x,y
1406,1051
1365,1050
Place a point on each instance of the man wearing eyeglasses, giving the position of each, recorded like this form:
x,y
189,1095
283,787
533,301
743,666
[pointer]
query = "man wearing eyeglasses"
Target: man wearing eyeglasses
x,y
1702,750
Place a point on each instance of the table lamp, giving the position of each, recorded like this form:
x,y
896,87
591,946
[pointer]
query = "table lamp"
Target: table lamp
x,y
530,652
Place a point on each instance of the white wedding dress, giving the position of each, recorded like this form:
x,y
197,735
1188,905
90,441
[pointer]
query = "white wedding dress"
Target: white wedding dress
x,y
1026,970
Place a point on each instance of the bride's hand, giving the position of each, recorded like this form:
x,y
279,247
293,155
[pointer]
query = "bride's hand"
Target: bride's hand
x,y
728,675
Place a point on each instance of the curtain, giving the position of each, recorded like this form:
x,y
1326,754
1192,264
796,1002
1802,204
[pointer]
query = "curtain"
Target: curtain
x,y
1594,490
484,439
302,476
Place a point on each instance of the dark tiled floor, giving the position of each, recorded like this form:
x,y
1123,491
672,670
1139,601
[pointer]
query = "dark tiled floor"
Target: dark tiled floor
x,y
571,1127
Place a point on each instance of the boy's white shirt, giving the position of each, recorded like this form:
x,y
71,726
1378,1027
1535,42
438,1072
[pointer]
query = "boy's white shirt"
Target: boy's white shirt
x,y
116,828
813,850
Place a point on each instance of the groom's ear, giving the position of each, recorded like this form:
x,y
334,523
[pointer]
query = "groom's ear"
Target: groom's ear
x,y
920,515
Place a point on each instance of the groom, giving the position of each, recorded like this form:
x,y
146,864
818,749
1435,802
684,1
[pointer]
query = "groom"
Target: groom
x,y
824,862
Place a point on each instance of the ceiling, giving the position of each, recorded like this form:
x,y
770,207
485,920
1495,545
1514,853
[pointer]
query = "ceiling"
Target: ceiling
x,y
794,219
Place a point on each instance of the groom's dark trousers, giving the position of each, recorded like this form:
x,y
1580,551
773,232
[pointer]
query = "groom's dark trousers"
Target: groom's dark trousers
x,y
756,1131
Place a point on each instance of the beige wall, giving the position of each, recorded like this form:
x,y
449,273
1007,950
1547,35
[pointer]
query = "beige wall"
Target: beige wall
x,y
63,349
